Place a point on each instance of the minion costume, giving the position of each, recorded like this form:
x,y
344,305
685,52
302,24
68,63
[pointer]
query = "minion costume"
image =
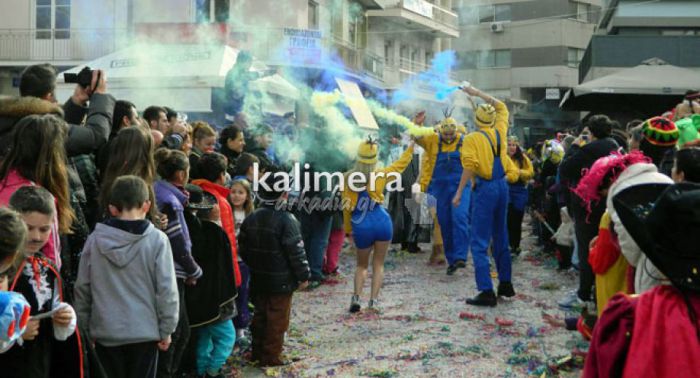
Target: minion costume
x,y
486,158
440,177
365,218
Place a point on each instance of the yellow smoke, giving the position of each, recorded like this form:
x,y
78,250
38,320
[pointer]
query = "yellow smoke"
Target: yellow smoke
x,y
390,116
342,130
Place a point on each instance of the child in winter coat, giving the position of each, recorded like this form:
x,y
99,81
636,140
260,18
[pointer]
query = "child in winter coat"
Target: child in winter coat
x,y
272,246
241,198
38,280
211,303
564,238
126,294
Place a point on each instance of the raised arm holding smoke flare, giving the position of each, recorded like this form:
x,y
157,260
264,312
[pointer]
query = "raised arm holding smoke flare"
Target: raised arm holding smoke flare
x,y
486,164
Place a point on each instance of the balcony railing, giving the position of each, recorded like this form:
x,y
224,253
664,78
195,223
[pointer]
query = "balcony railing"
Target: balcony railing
x,y
373,64
428,10
74,45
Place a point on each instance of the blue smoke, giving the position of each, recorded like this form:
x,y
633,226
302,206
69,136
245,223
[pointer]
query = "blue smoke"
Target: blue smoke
x,y
436,79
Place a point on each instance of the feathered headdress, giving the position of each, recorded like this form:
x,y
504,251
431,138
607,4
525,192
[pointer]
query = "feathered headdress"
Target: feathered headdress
x,y
604,173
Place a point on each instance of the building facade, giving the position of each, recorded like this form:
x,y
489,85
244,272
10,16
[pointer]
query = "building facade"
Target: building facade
x,y
527,51
631,32
380,43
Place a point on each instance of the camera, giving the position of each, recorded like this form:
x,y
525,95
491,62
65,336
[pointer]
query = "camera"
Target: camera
x,y
82,78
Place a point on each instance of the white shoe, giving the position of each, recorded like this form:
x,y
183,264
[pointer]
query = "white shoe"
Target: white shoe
x,y
571,300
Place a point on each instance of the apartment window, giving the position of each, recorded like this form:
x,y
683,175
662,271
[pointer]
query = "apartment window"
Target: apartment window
x,y
389,53
495,13
313,15
353,27
581,11
495,59
574,57
52,15
212,10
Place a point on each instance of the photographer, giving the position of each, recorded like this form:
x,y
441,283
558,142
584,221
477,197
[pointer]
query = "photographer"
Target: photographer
x,y
37,88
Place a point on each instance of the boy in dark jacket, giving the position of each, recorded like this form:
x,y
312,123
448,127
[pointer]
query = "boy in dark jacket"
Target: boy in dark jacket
x,y
271,245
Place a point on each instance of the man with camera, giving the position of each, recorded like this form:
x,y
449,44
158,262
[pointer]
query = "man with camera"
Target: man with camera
x,y
37,90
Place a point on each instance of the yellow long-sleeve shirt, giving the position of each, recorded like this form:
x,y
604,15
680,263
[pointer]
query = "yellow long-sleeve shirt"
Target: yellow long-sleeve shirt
x,y
377,194
526,171
477,155
430,144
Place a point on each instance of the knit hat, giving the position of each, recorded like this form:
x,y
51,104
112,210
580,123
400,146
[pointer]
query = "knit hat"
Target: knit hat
x,y
367,152
485,115
660,131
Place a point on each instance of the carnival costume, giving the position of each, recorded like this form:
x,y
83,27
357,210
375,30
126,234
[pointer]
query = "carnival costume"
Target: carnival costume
x,y
486,158
440,177
365,218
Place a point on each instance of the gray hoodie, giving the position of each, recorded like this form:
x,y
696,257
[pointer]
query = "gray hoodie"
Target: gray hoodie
x,y
126,291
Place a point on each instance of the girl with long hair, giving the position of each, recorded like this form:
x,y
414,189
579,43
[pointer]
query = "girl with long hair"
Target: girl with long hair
x,y
518,193
38,157
131,154
241,199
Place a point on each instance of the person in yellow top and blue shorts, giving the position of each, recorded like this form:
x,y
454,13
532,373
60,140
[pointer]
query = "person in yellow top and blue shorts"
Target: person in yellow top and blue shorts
x,y
365,220
440,178
487,166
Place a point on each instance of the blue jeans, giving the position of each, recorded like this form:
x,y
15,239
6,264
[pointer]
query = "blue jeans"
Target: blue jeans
x,y
242,320
214,345
315,230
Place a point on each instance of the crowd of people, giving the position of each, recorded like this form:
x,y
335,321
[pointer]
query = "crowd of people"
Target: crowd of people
x,y
141,245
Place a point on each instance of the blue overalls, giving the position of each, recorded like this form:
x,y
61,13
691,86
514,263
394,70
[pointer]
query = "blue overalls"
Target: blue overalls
x,y
489,215
454,222
518,195
370,222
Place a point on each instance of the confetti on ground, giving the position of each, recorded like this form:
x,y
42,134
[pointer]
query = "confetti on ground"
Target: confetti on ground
x,y
425,329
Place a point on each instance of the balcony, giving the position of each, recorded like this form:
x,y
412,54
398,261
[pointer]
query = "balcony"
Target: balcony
x,y
420,15
59,47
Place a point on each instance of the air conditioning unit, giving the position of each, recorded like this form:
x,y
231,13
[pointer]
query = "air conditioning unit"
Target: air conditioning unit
x,y
497,27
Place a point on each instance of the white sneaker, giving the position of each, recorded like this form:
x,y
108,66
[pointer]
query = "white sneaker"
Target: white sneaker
x,y
571,300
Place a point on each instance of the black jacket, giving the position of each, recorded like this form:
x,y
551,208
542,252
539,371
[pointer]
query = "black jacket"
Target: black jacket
x,y
271,245
579,158
232,157
265,161
212,299
81,139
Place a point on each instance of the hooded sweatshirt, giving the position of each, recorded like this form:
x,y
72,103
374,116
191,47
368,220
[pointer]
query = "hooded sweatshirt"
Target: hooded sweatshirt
x,y
647,275
126,290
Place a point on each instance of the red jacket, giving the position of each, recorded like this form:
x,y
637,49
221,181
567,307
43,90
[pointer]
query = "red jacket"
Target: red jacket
x,y
221,193
650,335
